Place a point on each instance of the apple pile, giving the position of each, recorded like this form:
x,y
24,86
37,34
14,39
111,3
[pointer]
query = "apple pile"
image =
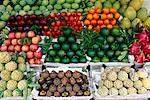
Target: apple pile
x,y
24,42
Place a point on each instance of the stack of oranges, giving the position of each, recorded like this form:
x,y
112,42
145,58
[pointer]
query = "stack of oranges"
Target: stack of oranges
x,y
98,18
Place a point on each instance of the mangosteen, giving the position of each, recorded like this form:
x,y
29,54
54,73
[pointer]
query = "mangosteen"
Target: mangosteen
x,y
43,22
56,94
76,87
64,80
57,81
72,93
49,93
53,74
11,18
20,29
68,74
84,77
49,81
52,88
87,93
26,17
76,74
40,17
68,87
45,74
60,88
42,93
33,16
36,22
65,94
79,81
61,74
41,81
45,87
72,80
80,93
18,17
84,86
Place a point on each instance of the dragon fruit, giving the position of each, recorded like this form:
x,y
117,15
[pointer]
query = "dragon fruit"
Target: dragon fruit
x,y
143,37
146,48
134,49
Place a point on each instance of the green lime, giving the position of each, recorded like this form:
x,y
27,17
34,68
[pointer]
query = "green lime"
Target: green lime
x,y
68,32
115,32
100,39
104,31
105,47
61,39
48,59
100,53
66,60
123,46
117,53
95,46
75,46
74,60
61,53
56,59
70,54
65,46
110,39
96,59
91,53
71,39
52,53
110,53
69,1
79,53
114,60
120,39
56,46
105,59
82,60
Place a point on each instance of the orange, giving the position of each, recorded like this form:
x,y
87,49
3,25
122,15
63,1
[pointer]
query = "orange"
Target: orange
x,y
116,26
110,16
113,21
89,17
93,22
92,11
113,10
95,16
86,22
98,10
117,15
100,22
90,27
109,26
103,26
103,16
106,10
106,22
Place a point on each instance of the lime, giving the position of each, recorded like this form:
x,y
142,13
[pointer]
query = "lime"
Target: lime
x,y
71,39
70,54
49,59
100,39
91,53
105,59
115,31
95,46
74,60
100,53
56,59
82,60
56,46
69,1
117,53
65,46
110,39
104,31
110,53
123,46
96,59
61,53
61,39
79,53
52,52
75,46
65,60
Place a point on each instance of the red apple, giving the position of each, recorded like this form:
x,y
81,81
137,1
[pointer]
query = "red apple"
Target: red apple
x,y
35,40
38,61
11,35
18,35
7,42
34,48
38,55
31,34
3,48
19,42
30,54
14,41
23,34
25,48
11,48
18,48
31,61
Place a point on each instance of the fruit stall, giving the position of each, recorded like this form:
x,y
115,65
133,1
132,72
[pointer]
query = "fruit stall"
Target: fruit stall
x,y
74,49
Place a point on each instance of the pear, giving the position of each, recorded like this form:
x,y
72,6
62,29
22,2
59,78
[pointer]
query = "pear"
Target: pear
x,y
130,13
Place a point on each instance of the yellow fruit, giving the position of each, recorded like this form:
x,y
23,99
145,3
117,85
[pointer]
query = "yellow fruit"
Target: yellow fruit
x,y
130,13
136,4
142,13
146,83
142,73
147,21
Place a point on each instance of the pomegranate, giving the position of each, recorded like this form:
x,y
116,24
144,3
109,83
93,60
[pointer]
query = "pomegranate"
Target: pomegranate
x,y
18,48
29,54
11,35
3,48
25,48
38,55
18,35
33,48
31,34
7,42
11,48
14,41
35,40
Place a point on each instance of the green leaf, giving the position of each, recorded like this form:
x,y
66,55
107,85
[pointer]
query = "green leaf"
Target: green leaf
x,y
122,55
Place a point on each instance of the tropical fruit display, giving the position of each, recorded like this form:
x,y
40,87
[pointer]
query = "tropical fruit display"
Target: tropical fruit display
x,y
37,34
